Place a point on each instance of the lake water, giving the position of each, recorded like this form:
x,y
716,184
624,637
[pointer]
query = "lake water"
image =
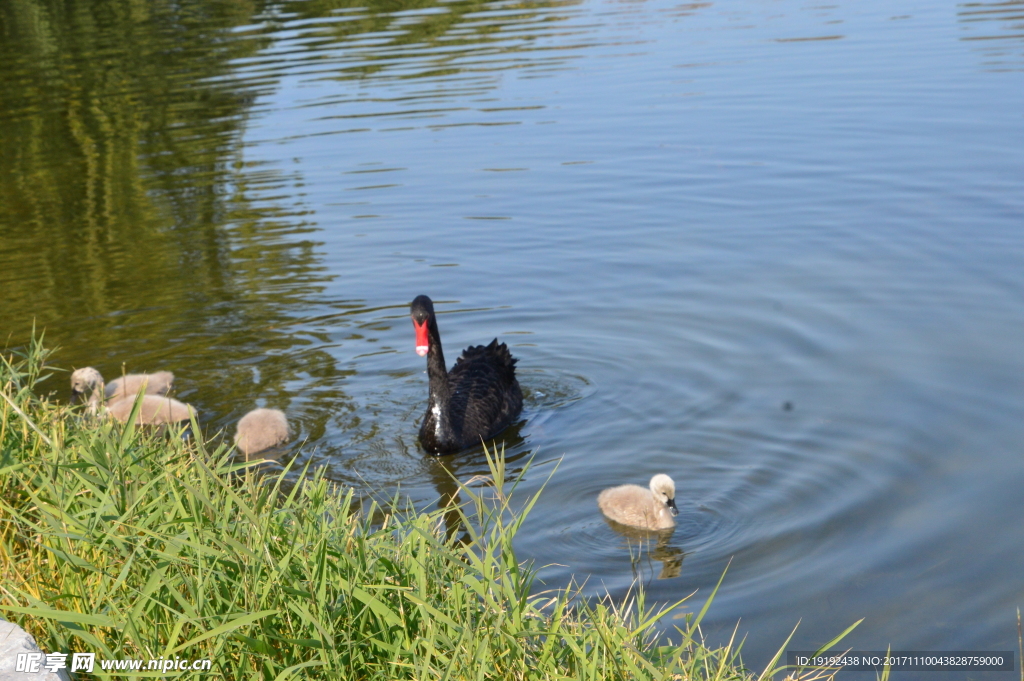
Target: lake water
x,y
772,248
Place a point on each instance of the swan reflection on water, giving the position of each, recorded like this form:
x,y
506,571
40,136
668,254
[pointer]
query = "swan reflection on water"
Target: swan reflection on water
x,y
647,545
470,468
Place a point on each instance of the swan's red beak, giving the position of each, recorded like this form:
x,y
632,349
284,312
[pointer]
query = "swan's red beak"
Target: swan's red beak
x,y
422,339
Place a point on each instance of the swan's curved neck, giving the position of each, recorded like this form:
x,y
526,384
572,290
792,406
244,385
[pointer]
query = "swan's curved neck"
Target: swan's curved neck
x,y
436,370
440,392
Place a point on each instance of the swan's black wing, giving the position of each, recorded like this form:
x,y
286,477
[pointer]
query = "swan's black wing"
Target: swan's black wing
x,y
485,395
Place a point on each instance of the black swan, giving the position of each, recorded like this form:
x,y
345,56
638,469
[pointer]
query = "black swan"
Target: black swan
x,y
476,400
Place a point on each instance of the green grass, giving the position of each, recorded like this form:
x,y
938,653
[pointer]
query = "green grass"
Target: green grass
x,y
133,544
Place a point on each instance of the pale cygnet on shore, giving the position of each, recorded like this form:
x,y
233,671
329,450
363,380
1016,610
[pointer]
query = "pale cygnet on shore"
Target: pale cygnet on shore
x,y
648,509
87,380
118,398
155,410
261,429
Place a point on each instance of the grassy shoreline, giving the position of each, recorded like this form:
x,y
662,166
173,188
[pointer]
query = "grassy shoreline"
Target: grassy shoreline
x,y
131,544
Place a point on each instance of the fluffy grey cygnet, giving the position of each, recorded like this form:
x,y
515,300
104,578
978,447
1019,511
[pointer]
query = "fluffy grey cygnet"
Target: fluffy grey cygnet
x,y
86,380
155,410
261,429
648,509
118,398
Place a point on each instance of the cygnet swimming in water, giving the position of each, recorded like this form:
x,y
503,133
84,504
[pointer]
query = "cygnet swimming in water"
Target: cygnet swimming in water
x,y
648,509
86,380
261,429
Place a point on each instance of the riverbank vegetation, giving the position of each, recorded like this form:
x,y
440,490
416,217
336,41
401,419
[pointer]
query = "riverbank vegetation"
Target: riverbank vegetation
x,y
134,544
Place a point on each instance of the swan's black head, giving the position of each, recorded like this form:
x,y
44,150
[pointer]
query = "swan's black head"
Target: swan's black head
x,y
422,312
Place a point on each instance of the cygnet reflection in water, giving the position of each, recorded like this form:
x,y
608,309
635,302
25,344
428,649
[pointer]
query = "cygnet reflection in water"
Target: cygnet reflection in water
x,y
639,542
646,509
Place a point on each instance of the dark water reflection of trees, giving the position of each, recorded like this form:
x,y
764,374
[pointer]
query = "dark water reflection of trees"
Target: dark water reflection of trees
x,y
132,226
128,216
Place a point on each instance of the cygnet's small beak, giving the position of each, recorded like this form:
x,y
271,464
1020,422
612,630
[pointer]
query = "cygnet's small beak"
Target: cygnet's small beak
x,y
672,505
